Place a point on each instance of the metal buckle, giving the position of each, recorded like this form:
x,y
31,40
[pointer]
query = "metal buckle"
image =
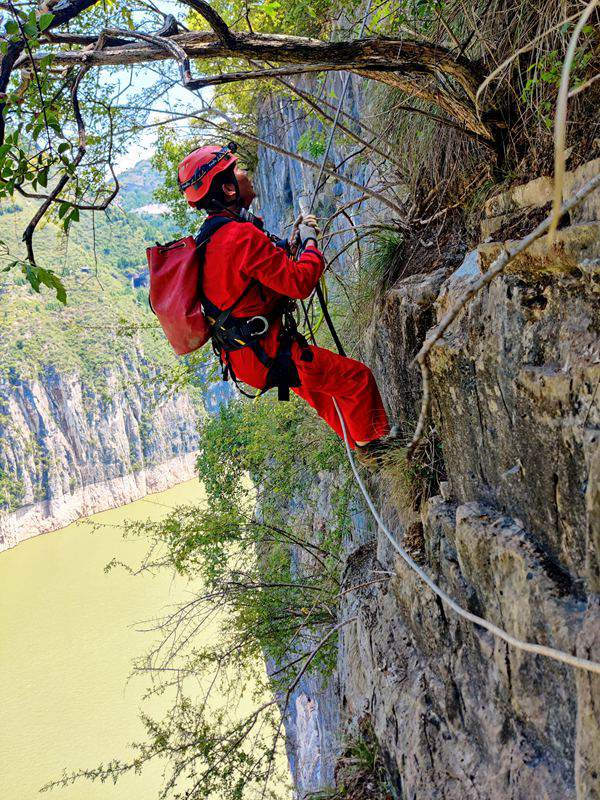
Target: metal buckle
x,y
265,322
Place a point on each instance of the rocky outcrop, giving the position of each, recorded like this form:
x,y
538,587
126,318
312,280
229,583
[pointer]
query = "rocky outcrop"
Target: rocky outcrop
x,y
513,538
511,529
70,449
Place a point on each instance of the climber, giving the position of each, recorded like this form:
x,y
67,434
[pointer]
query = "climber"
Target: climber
x,y
246,272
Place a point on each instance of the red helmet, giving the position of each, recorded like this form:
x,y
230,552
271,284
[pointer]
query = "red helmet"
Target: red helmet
x,y
197,170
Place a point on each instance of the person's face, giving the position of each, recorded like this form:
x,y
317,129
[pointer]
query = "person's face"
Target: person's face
x,y
247,193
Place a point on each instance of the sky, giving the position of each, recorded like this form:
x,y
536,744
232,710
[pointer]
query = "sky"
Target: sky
x,y
177,98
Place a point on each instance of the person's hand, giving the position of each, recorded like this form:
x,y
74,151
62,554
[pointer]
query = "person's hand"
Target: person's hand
x,y
309,229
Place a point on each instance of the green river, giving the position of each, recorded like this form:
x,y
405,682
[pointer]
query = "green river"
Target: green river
x,y
68,635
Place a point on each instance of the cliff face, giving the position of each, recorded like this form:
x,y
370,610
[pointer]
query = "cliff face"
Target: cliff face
x,y
511,537
70,449
510,529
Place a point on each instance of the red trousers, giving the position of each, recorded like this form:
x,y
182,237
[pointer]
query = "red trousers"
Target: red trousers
x,y
352,384
329,375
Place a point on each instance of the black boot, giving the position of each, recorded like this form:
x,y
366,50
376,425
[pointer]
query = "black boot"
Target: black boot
x,y
373,455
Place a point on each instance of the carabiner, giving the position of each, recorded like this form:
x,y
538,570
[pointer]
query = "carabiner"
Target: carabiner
x,y
265,322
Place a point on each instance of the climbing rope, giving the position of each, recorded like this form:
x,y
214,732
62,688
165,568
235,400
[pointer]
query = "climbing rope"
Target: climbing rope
x,y
321,288
528,647
500,633
338,112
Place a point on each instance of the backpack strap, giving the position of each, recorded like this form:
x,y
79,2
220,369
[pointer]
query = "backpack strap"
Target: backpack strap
x,y
204,235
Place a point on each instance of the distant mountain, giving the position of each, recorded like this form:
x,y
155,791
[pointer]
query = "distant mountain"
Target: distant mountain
x,y
137,186
136,194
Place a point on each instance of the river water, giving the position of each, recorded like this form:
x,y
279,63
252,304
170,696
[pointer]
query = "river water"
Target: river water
x,y
68,635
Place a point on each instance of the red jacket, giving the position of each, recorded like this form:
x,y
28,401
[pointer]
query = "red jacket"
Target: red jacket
x,y
236,254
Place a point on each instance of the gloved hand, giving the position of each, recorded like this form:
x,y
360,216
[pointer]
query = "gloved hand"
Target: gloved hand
x,y
308,229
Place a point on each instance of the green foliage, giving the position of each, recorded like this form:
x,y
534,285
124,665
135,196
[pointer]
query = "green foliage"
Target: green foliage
x,y
545,74
300,17
376,271
313,142
12,491
271,581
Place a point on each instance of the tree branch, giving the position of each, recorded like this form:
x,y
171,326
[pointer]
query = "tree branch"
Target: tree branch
x,y
62,182
216,22
406,64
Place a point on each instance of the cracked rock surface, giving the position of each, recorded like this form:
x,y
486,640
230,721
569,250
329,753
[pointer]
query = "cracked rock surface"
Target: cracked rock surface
x,y
514,538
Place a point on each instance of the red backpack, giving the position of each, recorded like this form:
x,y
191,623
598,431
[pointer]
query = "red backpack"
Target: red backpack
x,y
176,289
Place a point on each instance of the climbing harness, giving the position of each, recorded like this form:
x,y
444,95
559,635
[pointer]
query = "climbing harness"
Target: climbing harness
x,y
229,333
519,644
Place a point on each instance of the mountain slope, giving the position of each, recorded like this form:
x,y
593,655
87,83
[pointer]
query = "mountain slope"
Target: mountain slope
x,y
87,419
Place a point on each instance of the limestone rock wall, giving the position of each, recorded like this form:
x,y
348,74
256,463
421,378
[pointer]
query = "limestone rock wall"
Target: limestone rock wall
x,y
511,528
512,537
69,449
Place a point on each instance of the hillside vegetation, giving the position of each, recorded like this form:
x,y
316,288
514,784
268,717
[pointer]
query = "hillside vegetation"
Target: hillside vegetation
x,y
106,318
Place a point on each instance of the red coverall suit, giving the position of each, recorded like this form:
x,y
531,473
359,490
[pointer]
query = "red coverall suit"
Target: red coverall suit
x,y
239,252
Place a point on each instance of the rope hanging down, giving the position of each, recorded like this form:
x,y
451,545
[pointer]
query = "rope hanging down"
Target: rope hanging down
x,y
305,211
519,644
500,633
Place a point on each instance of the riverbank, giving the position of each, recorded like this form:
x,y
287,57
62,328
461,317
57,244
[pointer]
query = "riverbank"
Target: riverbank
x,y
52,515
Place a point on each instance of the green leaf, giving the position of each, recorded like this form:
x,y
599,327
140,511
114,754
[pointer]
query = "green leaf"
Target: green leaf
x,y
36,276
52,281
45,21
64,207
12,27
30,30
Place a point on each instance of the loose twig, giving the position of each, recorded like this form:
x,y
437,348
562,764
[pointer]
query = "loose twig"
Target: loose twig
x,y
560,123
584,86
498,266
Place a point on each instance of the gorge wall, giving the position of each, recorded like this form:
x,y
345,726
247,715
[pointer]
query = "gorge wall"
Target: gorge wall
x,y
508,525
512,534
71,448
